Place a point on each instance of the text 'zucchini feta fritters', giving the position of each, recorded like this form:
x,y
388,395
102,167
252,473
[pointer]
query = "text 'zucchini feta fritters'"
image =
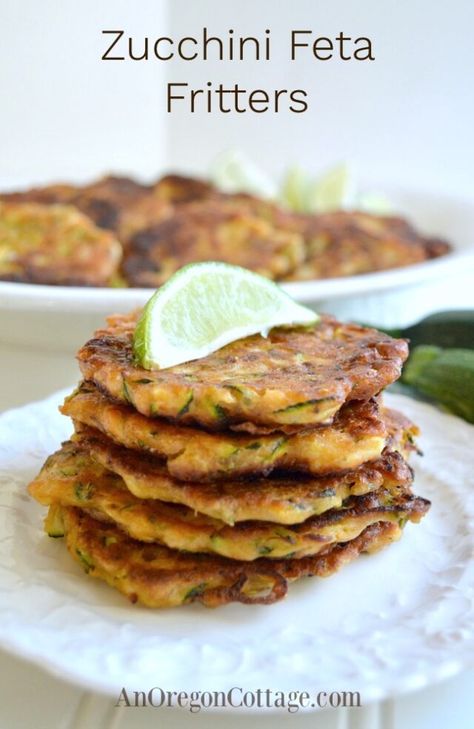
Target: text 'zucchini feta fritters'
x,y
229,477
55,244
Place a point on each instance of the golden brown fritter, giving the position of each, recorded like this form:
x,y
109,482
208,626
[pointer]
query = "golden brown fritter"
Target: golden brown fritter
x,y
107,201
103,201
160,577
71,478
359,433
285,498
295,376
351,243
179,189
218,230
146,211
115,203
54,244
159,203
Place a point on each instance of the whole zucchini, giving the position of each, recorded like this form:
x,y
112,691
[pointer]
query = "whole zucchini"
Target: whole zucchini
x,y
444,329
447,375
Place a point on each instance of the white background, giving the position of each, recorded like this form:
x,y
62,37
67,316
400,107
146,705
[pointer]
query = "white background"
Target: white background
x,y
64,112
405,118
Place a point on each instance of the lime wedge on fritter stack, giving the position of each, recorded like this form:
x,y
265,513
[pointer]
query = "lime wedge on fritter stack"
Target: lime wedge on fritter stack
x,y
205,306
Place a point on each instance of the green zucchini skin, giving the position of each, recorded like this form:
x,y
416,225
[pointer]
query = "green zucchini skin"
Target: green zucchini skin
x,y
446,375
444,329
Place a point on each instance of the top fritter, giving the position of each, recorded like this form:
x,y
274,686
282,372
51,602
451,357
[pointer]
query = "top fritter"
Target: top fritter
x,y
294,378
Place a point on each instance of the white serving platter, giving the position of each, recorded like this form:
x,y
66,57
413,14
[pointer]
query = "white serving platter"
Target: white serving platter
x,y
389,623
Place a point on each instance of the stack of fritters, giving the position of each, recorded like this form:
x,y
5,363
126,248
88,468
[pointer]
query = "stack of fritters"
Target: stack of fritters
x,y
225,478
144,233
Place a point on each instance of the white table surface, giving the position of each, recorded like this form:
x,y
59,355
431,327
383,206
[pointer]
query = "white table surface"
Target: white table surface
x,y
32,699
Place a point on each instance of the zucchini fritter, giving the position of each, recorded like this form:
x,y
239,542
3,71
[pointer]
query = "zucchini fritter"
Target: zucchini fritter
x,y
106,200
283,498
351,243
71,478
160,577
359,433
180,189
159,202
295,376
218,230
122,205
115,203
55,244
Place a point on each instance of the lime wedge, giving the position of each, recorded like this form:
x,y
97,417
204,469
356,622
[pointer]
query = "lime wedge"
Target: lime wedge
x,y
335,190
294,190
205,306
233,172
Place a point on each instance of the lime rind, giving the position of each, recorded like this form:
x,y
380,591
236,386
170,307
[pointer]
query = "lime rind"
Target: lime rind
x,y
205,306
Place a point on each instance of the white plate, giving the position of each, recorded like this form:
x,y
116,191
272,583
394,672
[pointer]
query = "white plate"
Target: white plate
x,y
389,623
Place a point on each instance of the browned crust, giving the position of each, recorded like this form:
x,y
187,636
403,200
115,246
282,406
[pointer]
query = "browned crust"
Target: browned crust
x,y
347,243
60,193
71,478
107,200
218,230
359,433
286,499
180,189
260,380
159,577
119,204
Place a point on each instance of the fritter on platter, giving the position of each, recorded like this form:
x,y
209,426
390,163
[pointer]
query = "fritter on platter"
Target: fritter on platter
x,y
218,230
178,220
352,243
181,189
55,244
